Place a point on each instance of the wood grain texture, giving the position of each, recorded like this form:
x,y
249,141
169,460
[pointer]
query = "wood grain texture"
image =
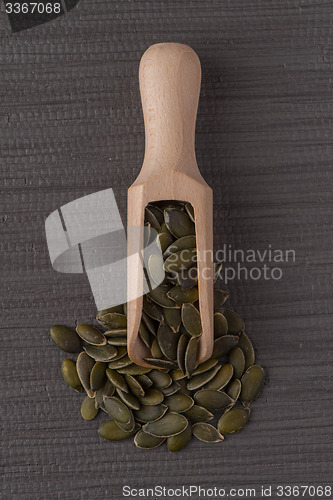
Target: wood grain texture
x,y
71,124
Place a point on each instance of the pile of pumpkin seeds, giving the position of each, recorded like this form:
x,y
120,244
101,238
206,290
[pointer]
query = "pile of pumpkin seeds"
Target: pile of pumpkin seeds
x,y
175,398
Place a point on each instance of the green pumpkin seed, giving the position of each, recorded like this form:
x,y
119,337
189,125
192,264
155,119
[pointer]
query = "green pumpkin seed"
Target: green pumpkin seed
x,y
157,212
145,381
152,397
117,309
212,400
179,261
117,410
165,230
156,268
146,441
168,425
121,353
106,390
252,384
90,334
178,374
121,332
117,341
160,379
183,243
179,441
235,322
68,370
150,413
198,414
191,319
116,379
197,381
134,369
134,386
113,321
206,432
237,359
120,363
111,431
221,378
217,270
159,295
168,341
220,296
65,338
220,325
152,309
234,389
88,409
144,335
223,345
188,278
245,344
172,318
205,366
233,420
129,399
164,240
151,219
191,356
101,352
156,350
149,323
181,296
164,364
172,389
178,222
178,402
127,426
84,366
97,376
181,351
190,210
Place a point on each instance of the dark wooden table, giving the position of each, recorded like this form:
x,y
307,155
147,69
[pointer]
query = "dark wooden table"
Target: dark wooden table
x,y
71,124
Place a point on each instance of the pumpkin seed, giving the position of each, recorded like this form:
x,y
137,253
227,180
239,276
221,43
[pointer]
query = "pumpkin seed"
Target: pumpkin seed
x,y
191,319
121,332
190,210
181,296
197,381
206,432
184,243
221,378
160,379
168,425
68,370
181,351
191,356
151,219
134,369
145,335
212,400
129,399
161,363
146,441
165,230
113,321
245,344
178,222
127,426
220,325
134,386
150,413
120,363
84,366
159,295
188,278
198,414
252,384
168,341
223,345
144,381
157,212
234,388
164,240
179,441
179,261
237,359
88,409
235,322
65,338
117,341
233,420
217,270
205,366
111,431
156,350
121,353
172,389
183,387
97,376
178,402
116,379
101,352
152,397
156,268
90,334
117,410
220,296
149,323
152,309
106,390
177,374
172,318
117,309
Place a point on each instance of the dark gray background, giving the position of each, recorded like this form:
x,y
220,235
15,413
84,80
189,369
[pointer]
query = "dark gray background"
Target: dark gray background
x,y
71,125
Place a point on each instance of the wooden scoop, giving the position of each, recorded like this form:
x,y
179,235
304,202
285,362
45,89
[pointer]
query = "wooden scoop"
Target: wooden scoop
x,y
170,76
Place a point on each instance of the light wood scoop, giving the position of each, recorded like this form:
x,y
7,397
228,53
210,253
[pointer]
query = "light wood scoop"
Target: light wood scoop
x,y
170,77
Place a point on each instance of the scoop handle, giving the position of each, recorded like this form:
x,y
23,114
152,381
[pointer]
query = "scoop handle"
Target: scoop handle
x,y
170,79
